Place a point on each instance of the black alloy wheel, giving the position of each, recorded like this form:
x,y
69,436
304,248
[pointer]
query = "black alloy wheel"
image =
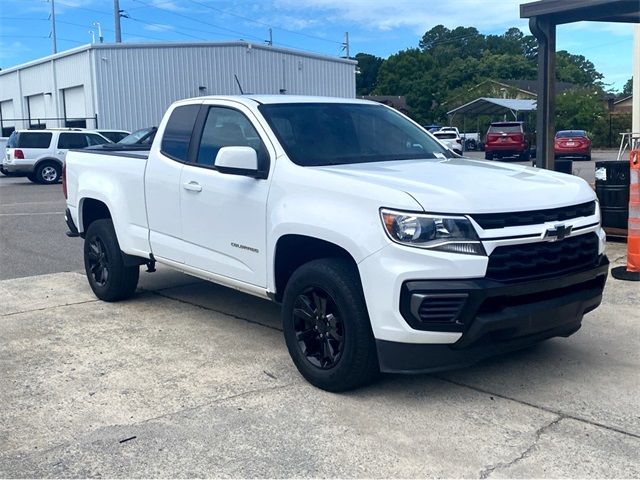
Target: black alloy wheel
x,y
98,261
109,277
318,327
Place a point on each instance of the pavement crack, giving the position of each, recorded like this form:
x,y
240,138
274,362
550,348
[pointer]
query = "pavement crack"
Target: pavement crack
x,y
248,320
50,307
487,471
540,407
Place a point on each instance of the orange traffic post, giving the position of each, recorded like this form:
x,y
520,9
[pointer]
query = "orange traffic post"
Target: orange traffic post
x,y
632,270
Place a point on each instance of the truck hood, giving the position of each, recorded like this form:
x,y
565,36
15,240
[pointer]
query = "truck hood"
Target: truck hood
x,y
464,186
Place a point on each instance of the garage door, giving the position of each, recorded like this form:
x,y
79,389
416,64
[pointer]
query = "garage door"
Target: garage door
x,y
74,107
37,111
6,116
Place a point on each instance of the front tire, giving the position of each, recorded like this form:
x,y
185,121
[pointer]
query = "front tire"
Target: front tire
x,y
48,173
108,276
326,326
488,155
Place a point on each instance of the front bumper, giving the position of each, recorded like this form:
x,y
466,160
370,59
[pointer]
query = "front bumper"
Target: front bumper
x,y
498,318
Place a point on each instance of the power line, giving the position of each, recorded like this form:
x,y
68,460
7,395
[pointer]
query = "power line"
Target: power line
x,y
315,37
243,34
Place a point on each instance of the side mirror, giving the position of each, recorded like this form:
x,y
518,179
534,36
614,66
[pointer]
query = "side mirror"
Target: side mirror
x,y
237,161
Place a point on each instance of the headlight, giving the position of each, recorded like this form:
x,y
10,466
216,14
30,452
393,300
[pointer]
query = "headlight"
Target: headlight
x,y
436,232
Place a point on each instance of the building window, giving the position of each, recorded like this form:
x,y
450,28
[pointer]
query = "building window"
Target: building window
x,y
75,123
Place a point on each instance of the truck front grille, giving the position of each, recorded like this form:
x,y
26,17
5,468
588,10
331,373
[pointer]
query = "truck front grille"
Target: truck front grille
x,y
543,259
534,217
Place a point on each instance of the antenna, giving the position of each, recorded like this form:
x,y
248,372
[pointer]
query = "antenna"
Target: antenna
x,y
238,82
99,27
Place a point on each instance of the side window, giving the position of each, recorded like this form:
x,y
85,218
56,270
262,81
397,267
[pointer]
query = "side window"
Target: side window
x,y
226,127
34,140
72,140
177,134
93,139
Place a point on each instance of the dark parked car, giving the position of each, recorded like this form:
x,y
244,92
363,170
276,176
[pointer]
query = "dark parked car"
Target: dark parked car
x,y
138,140
572,143
507,139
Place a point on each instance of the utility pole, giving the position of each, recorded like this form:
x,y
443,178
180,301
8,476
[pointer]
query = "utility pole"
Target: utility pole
x,y
116,18
345,44
54,42
270,42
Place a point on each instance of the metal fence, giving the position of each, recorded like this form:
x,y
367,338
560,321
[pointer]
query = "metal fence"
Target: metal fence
x,y
8,125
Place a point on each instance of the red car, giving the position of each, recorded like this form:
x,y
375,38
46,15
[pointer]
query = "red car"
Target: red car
x,y
572,143
506,139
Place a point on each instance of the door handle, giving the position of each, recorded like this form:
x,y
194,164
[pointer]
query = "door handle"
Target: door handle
x,y
192,186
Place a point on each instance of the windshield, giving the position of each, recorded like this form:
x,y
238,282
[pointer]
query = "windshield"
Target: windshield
x,y
571,133
135,136
341,133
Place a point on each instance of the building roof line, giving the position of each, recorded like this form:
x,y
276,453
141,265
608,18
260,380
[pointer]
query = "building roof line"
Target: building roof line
x,y
118,46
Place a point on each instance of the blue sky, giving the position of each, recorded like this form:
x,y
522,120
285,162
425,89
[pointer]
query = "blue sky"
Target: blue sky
x,y
380,27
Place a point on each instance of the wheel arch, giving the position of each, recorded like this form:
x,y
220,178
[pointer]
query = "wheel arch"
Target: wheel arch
x,y
294,250
90,210
47,159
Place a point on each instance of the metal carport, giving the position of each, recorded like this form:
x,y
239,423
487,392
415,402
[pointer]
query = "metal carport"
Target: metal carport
x,y
544,16
494,106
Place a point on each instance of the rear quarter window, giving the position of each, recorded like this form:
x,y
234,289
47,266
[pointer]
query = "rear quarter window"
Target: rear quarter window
x,y
505,129
72,140
177,134
33,140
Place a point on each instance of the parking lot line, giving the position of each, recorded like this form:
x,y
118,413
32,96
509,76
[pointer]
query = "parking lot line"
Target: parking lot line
x,y
27,214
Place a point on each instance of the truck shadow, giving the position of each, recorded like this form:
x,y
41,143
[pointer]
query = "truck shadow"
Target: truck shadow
x,y
544,363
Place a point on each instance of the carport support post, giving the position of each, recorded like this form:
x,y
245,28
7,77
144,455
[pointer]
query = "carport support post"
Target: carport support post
x,y
545,32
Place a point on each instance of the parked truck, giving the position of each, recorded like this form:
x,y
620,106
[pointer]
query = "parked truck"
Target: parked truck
x,y
386,252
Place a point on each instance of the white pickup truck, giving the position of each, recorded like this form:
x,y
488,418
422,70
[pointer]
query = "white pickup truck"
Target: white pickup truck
x,y
386,253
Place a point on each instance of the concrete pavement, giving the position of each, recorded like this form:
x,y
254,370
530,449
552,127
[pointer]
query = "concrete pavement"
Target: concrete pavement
x,y
189,379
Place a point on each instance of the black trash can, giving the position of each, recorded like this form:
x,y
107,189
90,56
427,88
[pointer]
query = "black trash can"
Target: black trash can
x,y
612,189
564,166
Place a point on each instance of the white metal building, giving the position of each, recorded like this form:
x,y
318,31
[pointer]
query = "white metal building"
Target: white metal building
x,y
130,85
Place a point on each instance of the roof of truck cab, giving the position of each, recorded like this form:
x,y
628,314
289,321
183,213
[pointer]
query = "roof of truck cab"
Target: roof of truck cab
x,y
275,99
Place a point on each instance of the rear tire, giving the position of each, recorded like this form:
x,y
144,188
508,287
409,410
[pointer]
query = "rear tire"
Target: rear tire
x,y
108,276
48,173
488,156
525,156
32,178
326,326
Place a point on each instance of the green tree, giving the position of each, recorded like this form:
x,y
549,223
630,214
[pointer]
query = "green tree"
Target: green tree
x,y
582,109
410,73
368,67
576,69
628,88
450,62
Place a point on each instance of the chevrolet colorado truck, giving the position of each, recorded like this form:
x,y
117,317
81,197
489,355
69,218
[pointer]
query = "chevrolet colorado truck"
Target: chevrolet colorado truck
x,y
387,252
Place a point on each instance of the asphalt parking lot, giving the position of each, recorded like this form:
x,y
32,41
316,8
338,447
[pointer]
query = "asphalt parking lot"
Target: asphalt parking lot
x,y
190,379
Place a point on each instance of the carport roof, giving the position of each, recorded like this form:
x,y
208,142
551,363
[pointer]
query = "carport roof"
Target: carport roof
x,y
494,106
569,11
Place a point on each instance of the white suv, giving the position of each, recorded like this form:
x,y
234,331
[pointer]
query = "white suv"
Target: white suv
x,y
40,153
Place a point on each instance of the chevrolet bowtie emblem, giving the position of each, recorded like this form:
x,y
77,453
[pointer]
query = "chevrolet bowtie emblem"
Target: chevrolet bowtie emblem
x,y
558,232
